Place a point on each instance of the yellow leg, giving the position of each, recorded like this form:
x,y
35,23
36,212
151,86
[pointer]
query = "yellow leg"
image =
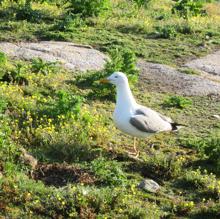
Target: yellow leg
x,y
135,148
135,152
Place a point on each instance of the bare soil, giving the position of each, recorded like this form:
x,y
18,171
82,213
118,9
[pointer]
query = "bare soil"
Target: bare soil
x,y
59,175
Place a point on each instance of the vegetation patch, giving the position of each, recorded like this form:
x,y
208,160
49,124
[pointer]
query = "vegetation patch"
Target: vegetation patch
x,y
108,172
63,118
88,8
186,8
84,169
177,102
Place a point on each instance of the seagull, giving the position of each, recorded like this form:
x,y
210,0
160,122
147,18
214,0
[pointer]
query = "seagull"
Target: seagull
x,y
132,118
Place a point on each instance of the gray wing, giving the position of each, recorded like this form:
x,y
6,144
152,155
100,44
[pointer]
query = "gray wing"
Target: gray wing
x,y
165,118
145,111
148,120
141,123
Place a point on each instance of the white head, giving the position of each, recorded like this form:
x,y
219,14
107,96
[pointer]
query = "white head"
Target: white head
x,y
117,78
124,95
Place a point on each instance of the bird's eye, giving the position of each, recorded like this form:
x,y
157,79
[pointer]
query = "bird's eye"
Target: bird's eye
x,y
116,76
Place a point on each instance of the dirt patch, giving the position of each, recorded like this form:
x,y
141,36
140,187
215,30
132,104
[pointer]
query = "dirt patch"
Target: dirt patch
x,y
59,175
1,172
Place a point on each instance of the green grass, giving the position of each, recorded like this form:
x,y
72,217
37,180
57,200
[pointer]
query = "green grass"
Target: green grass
x,y
153,32
57,122
62,120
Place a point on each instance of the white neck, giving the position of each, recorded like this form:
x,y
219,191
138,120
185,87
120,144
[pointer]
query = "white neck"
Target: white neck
x,y
124,96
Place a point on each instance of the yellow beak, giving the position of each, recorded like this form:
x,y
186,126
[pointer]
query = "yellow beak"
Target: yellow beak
x,y
104,81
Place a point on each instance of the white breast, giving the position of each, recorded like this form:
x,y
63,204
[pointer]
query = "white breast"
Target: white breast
x,y
125,109
121,121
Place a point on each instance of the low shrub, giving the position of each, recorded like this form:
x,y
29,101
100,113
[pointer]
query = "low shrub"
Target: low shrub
x,y
3,59
186,8
199,179
141,3
202,181
209,148
15,75
20,10
64,103
123,60
162,166
24,11
68,103
166,32
88,8
70,22
3,104
177,102
38,65
182,207
108,172
9,152
173,30
208,210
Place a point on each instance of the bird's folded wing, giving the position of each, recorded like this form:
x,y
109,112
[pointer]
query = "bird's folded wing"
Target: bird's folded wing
x,y
147,111
165,118
144,124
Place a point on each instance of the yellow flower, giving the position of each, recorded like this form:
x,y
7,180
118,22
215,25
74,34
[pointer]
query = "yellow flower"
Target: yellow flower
x,y
191,204
74,188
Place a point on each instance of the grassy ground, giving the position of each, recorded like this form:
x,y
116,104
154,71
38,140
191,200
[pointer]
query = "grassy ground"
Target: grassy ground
x,y
153,32
62,119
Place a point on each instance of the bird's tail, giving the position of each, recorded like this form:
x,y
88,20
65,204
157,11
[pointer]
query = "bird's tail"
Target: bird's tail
x,y
177,126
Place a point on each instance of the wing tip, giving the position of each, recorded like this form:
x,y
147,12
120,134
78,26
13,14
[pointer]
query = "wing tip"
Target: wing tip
x,y
176,126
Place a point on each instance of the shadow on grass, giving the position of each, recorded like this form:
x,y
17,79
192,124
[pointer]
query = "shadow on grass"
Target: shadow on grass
x,y
195,190
210,213
206,164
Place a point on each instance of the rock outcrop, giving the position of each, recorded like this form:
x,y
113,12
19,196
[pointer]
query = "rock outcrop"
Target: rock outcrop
x,y
70,55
